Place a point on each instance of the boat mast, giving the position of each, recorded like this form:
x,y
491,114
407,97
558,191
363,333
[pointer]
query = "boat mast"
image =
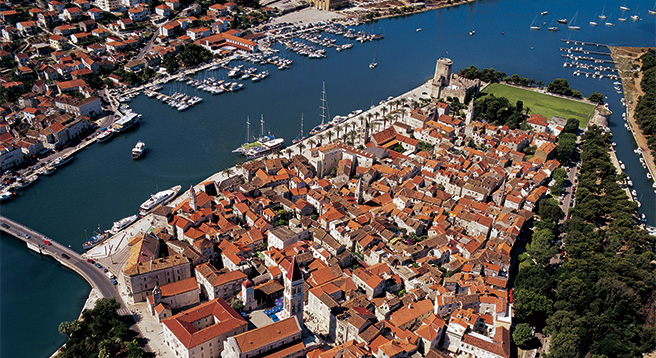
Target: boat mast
x,y
323,103
248,129
301,124
262,125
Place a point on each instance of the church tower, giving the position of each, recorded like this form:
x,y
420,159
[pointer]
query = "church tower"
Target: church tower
x,y
247,295
293,300
358,192
192,198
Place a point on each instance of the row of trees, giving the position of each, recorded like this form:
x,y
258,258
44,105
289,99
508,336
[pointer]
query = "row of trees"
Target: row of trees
x,y
597,304
561,86
191,55
645,112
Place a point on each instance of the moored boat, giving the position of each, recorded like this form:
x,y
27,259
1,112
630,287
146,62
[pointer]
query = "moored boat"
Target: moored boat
x,y
6,195
266,148
105,135
63,160
95,240
161,197
122,224
126,122
23,183
50,170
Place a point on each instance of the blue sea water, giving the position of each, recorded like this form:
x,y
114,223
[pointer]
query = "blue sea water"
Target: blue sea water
x,y
103,184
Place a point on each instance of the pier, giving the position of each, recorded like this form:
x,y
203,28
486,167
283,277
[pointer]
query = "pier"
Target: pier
x,y
584,43
581,50
67,257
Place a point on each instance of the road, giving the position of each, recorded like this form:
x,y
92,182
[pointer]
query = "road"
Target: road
x,y
93,275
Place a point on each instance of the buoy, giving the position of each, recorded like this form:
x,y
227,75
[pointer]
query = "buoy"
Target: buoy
x,y
501,32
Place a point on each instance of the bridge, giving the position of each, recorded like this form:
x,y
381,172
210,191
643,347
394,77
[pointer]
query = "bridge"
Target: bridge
x,y
67,257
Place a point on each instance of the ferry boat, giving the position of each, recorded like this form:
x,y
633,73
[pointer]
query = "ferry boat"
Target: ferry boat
x,y
122,224
138,150
63,160
105,135
95,240
265,148
126,122
23,183
161,197
6,195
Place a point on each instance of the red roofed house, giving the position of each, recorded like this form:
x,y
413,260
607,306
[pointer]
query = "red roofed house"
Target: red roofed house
x,y
201,330
537,122
279,339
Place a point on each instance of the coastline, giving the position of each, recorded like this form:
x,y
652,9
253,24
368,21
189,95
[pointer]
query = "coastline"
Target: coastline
x,y
386,16
632,91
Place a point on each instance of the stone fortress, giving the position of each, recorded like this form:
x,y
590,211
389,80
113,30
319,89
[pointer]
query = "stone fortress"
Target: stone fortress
x,y
447,84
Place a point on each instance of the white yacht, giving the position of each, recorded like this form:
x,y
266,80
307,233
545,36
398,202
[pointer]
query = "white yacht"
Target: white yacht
x,y
122,224
161,197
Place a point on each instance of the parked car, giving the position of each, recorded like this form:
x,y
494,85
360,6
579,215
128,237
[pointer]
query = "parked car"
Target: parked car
x,y
65,256
46,242
5,226
114,282
91,261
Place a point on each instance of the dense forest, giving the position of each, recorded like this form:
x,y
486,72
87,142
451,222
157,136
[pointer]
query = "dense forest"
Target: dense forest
x,y
599,301
645,112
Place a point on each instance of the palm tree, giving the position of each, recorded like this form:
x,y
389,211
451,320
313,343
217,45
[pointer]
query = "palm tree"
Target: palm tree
x,y
397,103
301,146
384,111
403,110
288,151
376,114
390,104
227,171
338,129
321,137
278,153
345,137
330,135
311,142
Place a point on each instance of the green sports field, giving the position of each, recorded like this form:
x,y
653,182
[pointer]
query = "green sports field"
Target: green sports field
x,y
544,104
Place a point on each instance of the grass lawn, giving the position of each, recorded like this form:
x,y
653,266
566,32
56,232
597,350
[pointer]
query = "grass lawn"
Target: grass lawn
x,y
544,104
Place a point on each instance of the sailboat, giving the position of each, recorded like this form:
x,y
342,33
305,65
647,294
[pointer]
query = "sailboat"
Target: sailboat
x,y
593,22
603,16
533,25
323,126
622,18
636,17
623,7
571,25
652,11
373,64
300,136
552,27
544,12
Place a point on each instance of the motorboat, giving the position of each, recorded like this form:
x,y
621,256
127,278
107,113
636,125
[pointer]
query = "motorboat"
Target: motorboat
x,y
63,160
138,150
161,197
373,65
6,195
105,135
23,183
50,170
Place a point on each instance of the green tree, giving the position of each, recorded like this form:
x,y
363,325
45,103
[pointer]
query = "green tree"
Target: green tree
x,y
531,306
522,335
542,248
549,210
596,97
171,64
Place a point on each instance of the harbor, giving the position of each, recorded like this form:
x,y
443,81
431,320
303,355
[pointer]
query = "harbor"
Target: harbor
x,y
103,184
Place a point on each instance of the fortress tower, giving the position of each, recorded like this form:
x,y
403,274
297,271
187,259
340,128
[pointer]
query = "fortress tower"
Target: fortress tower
x,y
442,77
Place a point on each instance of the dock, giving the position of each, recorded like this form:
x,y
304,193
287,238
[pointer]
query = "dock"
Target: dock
x,y
584,43
581,50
